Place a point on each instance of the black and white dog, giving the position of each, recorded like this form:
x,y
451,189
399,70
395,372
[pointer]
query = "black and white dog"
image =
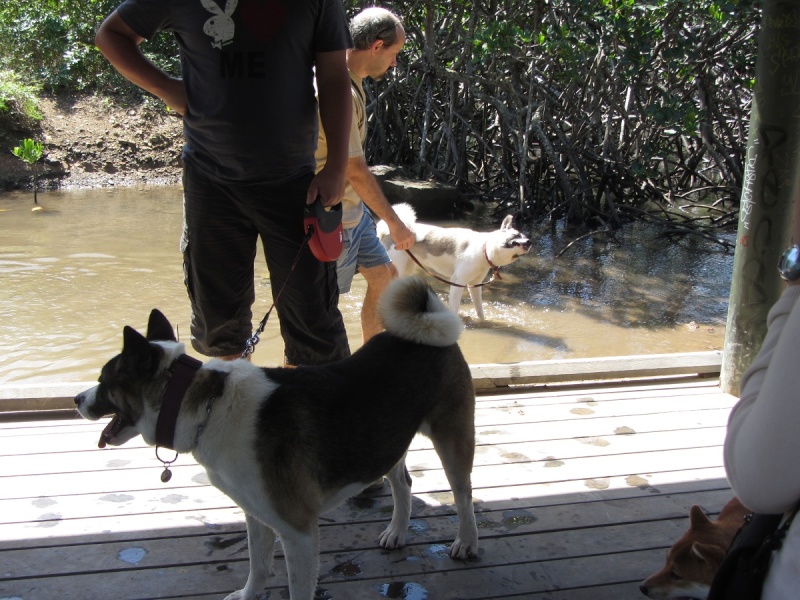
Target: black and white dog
x,y
289,444
462,256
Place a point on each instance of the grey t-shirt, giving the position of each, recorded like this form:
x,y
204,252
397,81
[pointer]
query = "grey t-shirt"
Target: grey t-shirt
x,y
248,70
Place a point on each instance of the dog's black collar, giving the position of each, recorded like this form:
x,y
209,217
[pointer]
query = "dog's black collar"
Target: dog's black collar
x,y
183,370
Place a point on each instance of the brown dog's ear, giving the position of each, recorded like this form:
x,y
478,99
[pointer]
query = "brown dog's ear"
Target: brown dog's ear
x,y
159,328
711,555
697,517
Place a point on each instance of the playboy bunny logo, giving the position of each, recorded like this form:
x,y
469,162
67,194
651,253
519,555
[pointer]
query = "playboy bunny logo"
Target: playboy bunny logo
x,y
220,26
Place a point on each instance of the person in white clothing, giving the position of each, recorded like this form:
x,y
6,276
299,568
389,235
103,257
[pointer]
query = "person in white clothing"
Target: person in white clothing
x,y
762,445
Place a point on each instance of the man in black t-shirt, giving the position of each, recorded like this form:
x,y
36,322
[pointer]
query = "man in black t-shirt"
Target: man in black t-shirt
x,y
247,98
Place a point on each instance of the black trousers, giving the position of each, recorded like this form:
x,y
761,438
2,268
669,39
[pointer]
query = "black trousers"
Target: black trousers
x,y
222,224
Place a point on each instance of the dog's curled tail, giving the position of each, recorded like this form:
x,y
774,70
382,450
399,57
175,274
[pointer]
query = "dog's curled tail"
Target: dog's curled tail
x,y
411,310
405,212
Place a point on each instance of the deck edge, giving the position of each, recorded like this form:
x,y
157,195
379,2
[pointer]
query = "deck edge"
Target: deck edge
x,y
17,397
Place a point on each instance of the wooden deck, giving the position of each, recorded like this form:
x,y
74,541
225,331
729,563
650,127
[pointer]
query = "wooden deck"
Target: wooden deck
x,y
579,490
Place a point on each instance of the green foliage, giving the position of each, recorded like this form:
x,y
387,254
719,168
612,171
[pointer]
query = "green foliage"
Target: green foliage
x,y
499,37
18,97
545,100
29,151
556,103
52,42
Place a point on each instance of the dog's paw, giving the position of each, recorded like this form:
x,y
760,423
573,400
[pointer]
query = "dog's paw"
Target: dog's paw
x,y
392,539
462,550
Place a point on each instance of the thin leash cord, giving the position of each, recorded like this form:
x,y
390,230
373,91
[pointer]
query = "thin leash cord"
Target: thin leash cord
x,y
495,272
250,344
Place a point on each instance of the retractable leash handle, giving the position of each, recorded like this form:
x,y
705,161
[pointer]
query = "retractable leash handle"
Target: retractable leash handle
x,y
324,225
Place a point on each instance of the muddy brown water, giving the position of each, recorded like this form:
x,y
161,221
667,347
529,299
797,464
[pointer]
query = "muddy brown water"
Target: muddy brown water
x,y
89,262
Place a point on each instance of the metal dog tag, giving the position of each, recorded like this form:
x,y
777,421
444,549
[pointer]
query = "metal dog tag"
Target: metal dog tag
x,y
166,476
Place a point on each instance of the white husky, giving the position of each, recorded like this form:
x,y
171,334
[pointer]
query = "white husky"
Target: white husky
x,y
462,256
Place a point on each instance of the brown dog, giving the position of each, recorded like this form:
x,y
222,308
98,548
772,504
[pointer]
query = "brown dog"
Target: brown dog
x,y
695,557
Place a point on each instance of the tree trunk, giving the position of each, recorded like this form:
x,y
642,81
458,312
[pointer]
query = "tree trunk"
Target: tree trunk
x,y
771,180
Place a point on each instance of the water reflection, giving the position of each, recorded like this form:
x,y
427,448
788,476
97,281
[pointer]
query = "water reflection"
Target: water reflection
x,y
74,273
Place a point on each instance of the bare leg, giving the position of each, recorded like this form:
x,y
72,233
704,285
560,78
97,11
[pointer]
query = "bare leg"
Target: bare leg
x,y
377,280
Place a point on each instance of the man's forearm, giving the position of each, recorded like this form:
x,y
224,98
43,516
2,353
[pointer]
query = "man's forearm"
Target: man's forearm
x,y
368,189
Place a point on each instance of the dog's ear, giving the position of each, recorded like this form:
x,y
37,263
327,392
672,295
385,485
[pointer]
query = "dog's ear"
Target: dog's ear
x,y
136,350
697,517
508,223
159,328
712,555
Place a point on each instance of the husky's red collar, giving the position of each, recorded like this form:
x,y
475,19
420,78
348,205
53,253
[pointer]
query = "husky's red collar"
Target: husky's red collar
x,y
495,268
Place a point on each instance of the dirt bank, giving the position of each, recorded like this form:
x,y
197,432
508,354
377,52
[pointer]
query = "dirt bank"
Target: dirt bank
x,y
95,141
102,141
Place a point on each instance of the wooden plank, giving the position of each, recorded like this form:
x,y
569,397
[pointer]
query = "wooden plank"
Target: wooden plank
x,y
519,425
628,590
659,394
672,400
497,376
340,532
40,396
550,395
421,453
109,556
511,564
208,508
665,388
603,426
84,435
579,490
56,484
59,396
589,408
504,443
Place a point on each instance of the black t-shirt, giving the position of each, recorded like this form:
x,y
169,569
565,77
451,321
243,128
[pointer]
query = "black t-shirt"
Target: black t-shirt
x,y
248,70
